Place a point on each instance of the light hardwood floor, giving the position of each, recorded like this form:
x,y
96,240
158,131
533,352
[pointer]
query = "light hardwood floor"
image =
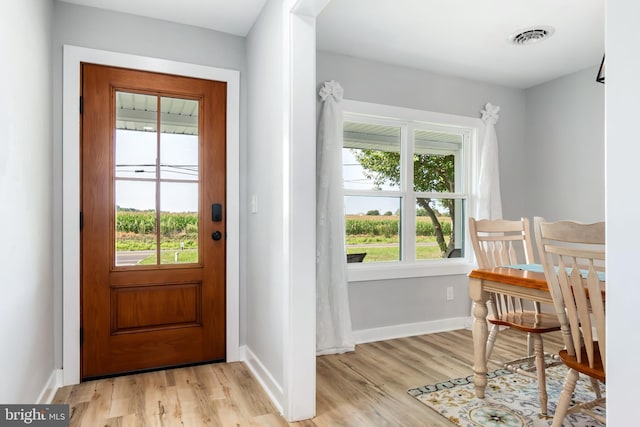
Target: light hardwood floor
x,y
365,388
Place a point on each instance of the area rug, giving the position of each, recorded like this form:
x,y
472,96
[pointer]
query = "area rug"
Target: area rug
x,y
511,400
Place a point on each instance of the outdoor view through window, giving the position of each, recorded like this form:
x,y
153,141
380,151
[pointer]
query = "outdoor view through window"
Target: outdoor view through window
x,y
404,189
156,180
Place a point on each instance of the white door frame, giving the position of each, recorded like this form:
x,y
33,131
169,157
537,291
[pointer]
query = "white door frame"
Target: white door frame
x,y
73,56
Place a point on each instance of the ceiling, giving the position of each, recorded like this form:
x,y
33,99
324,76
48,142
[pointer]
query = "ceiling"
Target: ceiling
x,y
229,16
464,38
468,38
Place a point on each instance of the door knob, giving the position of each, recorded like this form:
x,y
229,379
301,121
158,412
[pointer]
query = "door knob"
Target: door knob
x,y
216,235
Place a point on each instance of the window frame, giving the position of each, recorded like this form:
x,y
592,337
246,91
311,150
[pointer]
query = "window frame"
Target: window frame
x,y
410,120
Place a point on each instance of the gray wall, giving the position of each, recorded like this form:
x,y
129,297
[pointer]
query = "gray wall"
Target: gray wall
x,y
390,303
118,32
265,180
386,303
26,307
565,148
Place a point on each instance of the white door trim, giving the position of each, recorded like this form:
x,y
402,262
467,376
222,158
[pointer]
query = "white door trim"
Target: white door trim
x,y
73,56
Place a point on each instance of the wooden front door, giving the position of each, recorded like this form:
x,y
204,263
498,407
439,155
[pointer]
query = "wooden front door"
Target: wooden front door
x,y
153,220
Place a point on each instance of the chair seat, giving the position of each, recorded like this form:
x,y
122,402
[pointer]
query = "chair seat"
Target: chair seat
x,y
527,321
596,372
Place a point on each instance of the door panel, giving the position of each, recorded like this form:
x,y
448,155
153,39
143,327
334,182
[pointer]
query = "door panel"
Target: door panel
x,y
153,163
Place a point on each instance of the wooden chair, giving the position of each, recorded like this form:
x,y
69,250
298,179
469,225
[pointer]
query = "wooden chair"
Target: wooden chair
x,y
573,257
505,242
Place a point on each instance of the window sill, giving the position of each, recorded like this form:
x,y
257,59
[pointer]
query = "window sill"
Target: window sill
x,y
386,271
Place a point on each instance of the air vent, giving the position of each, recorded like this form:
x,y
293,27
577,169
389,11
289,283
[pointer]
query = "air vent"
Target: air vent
x,y
531,35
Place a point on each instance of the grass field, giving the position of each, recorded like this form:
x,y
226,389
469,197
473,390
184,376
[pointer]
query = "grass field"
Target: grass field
x,y
377,235
169,257
367,233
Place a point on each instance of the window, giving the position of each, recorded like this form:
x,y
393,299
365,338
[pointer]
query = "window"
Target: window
x,y
407,178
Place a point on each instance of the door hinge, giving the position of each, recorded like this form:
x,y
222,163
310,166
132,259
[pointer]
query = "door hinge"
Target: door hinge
x,y
81,221
80,104
81,336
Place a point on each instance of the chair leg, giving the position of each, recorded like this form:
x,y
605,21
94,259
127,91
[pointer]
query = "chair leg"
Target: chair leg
x,y
538,349
596,387
493,333
565,397
491,339
530,346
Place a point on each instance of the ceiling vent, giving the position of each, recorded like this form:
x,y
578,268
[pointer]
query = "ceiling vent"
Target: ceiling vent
x,y
531,35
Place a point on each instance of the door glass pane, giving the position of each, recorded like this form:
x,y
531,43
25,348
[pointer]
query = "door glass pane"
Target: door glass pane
x,y
178,164
136,138
156,213
372,227
179,139
135,228
178,223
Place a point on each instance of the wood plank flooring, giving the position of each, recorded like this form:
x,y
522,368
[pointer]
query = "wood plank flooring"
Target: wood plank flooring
x,y
365,388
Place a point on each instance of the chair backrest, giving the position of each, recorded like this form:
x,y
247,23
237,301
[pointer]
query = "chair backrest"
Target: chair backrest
x,y
573,256
359,257
501,242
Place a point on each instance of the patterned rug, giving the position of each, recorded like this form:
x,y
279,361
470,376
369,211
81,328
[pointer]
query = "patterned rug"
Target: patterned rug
x,y
510,400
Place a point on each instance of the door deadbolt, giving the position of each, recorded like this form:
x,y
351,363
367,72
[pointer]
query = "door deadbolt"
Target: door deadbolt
x,y
216,235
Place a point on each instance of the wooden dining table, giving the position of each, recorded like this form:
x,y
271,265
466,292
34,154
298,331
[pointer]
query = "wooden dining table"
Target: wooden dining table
x,y
527,283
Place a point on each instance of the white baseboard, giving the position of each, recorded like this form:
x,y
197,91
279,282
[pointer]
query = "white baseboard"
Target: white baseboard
x,y
264,377
408,329
49,391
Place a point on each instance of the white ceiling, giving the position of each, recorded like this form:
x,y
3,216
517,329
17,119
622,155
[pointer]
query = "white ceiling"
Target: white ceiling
x,y
468,38
465,38
229,16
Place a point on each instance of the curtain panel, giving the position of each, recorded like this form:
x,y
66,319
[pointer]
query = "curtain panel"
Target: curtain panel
x,y
489,201
333,317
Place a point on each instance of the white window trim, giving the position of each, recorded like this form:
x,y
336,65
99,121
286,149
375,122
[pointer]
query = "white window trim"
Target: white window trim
x,y
357,272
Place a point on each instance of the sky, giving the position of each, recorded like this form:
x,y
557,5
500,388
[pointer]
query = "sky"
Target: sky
x,y
136,157
354,179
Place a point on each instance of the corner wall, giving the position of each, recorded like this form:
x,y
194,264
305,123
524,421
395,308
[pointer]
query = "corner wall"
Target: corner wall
x,y
281,186
623,210
26,277
565,148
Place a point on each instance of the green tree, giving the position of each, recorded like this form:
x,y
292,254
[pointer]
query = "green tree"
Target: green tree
x,y
432,173
374,212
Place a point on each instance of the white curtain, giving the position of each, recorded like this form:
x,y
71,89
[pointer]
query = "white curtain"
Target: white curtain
x,y
488,202
333,317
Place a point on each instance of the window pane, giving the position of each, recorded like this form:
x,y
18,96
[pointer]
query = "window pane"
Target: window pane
x,y
371,156
439,228
179,139
435,162
136,138
178,223
372,226
135,238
